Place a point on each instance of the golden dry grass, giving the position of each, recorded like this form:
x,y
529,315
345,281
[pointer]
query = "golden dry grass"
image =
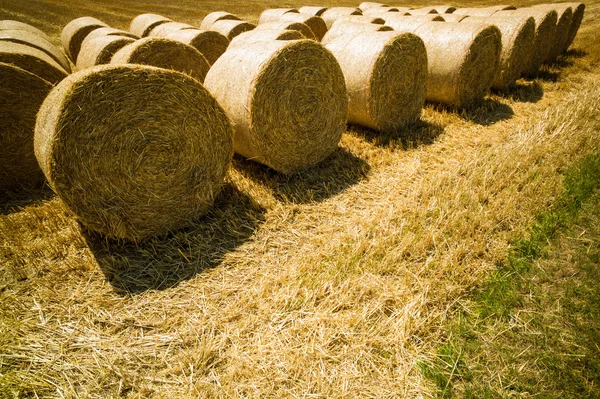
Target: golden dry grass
x,y
332,283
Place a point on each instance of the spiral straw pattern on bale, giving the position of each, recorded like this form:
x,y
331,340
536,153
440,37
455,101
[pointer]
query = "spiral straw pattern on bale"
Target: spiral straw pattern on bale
x,y
369,4
209,43
127,167
143,24
311,10
518,36
164,53
100,50
275,14
215,16
32,60
360,18
578,11
316,24
352,28
75,32
386,77
563,28
282,25
545,30
411,22
9,24
334,13
231,29
31,39
21,95
482,11
287,101
255,36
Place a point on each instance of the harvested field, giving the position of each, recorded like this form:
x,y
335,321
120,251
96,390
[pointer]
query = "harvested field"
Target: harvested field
x,y
335,282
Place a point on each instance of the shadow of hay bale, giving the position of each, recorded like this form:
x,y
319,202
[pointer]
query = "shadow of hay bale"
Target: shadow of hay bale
x,y
13,201
414,135
524,91
333,175
163,262
487,112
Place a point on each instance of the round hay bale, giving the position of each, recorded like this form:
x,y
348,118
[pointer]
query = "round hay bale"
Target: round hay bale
x,y
334,13
311,10
545,29
444,9
283,25
563,28
461,76
360,18
368,4
9,24
108,32
38,42
209,43
316,24
352,28
21,95
275,14
163,30
100,50
32,60
255,36
578,10
454,17
213,17
75,32
287,100
383,11
143,24
482,11
411,22
231,28
127,167
164,53
518,36
386,77
423,11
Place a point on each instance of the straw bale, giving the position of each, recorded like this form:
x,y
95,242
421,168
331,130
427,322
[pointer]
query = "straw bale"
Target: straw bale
x,y
411,22
127,167
334,13
578,10
164,29
352,28
287,101
209,43
9,24
386,77
32,60
213,17
316,24
164,53
454,17
423,11
144,23
518,36
100,50
108,32
563,28
383,11
545,30
360,18
33,40
310,10
367,4
275,14
283,25
444,9
75,32
21,95
255,36
482,11
231,28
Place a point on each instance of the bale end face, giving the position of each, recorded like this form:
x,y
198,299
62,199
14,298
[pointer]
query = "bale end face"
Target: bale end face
x,y
75,32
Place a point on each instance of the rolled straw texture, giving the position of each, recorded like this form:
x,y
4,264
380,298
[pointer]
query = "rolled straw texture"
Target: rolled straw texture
x,y
100,50
578,10
283,25
213,17
209,43
518,36
255,36
360,18
310,10
454,17
483,11
275,14
164,29
411,22
32,60
545,30
383,11
127,167
352,28
444,9
9,24
75,32
334,13
21,95
563,28
164,53
423,11
287,101
33,40
231,28
108,32
386,77
368,4
316,24
144,23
